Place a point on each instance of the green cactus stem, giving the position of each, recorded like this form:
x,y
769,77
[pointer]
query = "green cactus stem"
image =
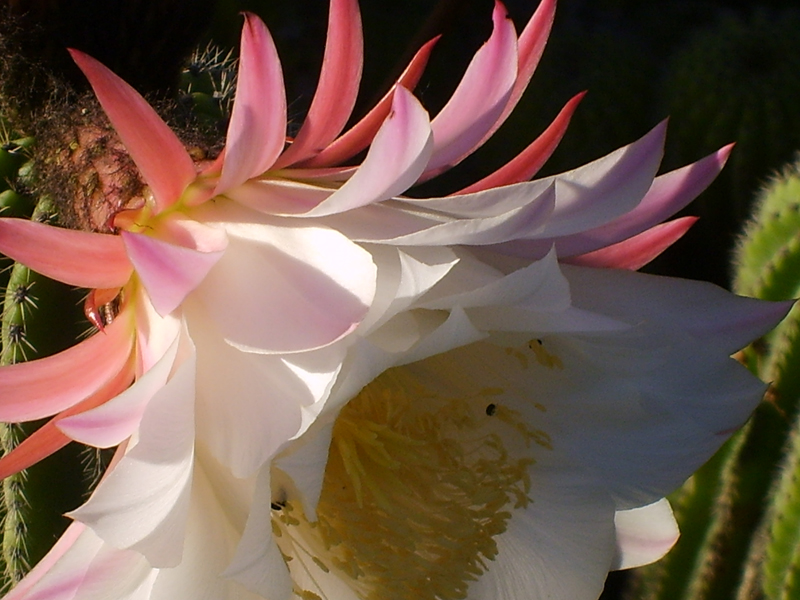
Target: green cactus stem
x,y
208,84
40,317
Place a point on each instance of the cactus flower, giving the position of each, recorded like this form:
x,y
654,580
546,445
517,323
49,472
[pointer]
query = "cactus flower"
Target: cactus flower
x,y
342,392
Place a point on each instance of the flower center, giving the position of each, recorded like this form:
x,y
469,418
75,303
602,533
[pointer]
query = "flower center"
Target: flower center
x,y
416,488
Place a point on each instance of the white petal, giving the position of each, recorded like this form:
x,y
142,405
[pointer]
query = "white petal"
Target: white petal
x,y
258,564
116,420
403,277
644,534
301,469
559,548
278,275
87,569
142,504
642,409
602,190
400,222
210,539
396,158
539,285
370,357
702,309
524,221
256,396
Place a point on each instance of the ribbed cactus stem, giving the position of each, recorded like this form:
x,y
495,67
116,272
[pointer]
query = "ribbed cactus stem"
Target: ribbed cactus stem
x,y
208,83
769,267
40,317
15,560
769,254
781,560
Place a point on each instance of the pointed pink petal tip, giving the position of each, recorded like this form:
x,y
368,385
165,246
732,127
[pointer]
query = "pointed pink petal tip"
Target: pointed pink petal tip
x,y
636,251
80,258
338,84
163,161
46,386
478,102
361,134
39,445
257,129
525,165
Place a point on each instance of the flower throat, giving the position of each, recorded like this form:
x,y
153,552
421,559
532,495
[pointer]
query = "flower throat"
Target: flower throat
x,y
416,488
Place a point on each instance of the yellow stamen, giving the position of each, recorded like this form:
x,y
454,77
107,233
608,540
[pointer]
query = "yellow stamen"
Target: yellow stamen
x,y
416,488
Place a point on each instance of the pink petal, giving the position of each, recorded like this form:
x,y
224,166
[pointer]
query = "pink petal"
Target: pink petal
x,y
156,150
278,196
91,260
360,135
170,272
108,424
529,161
669,193
479,98
637,251
257,130
48,438
81,567
62,590
43,387
155,334
39,445
531,45
143,503
296,288
338,84
644,534
395,160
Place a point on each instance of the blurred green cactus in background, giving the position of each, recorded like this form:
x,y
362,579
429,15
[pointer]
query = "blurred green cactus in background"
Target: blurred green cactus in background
x,y
733,81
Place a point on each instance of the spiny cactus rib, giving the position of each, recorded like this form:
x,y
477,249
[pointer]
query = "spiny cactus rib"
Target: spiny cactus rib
x,y
781,565
769,267
13,154
769,256
208,84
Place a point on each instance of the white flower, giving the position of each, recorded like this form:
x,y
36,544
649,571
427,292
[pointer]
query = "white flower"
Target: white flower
x,y
364,395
